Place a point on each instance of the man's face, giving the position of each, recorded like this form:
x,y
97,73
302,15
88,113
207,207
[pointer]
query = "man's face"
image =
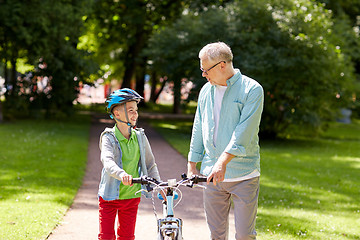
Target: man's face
x,y
212,71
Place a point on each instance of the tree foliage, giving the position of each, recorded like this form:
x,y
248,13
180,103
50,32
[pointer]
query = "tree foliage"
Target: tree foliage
x,y
124,28
287,46
351,8
173,50
42,33
302,53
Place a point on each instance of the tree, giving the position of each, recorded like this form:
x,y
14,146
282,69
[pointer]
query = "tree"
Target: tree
x,y
66,64
174,50
351,8
44,33
347,28
288,47
123,29
21,28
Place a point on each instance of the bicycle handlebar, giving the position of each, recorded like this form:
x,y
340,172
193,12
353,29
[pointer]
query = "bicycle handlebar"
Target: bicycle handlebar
x,y
197,179
145,180
190,181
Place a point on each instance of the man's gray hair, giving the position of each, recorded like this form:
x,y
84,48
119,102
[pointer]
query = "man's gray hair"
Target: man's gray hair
x,y
218,51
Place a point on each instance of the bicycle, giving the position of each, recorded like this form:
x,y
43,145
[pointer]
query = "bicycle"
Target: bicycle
x,y
169,227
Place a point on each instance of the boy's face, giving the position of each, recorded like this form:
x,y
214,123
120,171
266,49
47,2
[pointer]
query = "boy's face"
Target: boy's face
x,y
132,112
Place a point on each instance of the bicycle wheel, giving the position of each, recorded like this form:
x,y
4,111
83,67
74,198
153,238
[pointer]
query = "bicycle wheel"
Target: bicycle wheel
x,y
170,236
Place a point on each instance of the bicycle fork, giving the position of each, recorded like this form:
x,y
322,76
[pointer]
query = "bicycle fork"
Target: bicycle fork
x,y
169,227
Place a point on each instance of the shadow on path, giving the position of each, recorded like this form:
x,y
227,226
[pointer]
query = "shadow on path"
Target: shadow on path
x,y
81,221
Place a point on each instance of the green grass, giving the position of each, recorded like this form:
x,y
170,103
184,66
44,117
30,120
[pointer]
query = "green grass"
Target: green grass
x,y
310,188
42,166
190,108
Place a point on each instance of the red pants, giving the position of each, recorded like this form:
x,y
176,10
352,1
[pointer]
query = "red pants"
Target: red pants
x,y
126,211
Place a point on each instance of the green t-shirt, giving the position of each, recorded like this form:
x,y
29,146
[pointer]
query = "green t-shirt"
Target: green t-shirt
x,y
130,160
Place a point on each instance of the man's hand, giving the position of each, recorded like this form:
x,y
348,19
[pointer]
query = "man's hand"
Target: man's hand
x,y
218,172
126,179
192,169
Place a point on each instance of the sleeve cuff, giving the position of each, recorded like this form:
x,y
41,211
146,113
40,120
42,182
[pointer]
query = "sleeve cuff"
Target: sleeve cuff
x,y
195,157
236,150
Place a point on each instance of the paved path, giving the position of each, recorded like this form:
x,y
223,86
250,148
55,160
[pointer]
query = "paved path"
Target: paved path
x,y
81,221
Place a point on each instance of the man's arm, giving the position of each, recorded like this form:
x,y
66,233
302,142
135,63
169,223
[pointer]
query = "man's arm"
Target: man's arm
x,y
196,145
192,169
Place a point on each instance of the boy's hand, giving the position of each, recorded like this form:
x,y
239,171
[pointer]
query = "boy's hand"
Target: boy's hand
x,y
126,179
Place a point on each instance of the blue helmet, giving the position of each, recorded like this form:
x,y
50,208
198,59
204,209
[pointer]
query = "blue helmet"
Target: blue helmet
x,y
121,96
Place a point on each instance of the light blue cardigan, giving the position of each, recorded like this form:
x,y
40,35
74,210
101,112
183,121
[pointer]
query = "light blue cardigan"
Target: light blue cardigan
x,y
111,155
238,128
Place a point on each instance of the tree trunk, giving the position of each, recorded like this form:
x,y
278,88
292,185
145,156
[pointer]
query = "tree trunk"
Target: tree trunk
x,y
162,87
131,60
129,71
140,81
140,77
13,79
153,80
6,76
177,96
1,113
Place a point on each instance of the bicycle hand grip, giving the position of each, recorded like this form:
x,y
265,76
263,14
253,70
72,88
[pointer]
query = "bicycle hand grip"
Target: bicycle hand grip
x,y
197,179
145,180
137,180
141,180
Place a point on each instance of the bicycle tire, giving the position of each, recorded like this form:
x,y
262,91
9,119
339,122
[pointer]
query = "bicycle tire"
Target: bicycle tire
x,y
171,237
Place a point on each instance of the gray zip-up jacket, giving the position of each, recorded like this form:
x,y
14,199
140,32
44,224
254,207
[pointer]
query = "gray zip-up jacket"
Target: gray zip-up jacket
x,y
111,158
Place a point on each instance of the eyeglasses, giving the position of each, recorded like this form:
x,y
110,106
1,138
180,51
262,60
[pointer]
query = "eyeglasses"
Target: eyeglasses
x,y
206,71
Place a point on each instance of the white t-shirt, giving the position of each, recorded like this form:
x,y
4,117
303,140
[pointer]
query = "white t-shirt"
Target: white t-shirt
x,y
218,97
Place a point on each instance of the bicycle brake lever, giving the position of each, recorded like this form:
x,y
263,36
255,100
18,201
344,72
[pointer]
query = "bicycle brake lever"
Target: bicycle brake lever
x,y
149,188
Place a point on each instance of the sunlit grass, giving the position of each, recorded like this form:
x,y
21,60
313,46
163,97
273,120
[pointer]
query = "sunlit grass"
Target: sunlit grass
x,y
42,165
309,187
176,132
190,108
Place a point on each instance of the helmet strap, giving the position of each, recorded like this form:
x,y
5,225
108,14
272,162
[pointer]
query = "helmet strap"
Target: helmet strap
x,y
127,119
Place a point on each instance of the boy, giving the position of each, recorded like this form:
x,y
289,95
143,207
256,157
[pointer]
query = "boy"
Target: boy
x,y
125,154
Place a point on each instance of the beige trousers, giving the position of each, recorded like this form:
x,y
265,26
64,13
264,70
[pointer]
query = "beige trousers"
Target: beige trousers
x,y
217,202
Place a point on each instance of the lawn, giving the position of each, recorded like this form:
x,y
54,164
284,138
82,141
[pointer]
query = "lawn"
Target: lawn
x,y
42,166
310,188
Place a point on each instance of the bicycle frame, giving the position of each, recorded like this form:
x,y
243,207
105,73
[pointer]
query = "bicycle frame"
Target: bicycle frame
x,y
170,227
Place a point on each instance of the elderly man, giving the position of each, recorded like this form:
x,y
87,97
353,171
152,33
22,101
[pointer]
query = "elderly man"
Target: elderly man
x,y
225,141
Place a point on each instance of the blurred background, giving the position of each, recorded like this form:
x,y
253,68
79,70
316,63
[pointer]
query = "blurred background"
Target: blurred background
x,y
56,56
60,59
